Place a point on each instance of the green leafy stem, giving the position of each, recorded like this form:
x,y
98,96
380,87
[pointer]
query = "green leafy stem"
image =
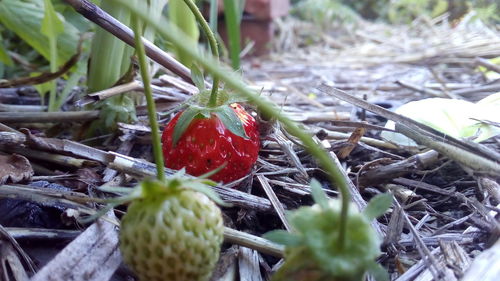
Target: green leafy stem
x,y
213,46
212,65
146,80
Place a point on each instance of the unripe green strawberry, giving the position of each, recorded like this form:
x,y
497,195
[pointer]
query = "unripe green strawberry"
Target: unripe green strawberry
x,y
171,233
312,250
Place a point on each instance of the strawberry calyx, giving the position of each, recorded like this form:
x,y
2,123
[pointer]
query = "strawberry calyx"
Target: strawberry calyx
x,y
203,105
152,188
224,113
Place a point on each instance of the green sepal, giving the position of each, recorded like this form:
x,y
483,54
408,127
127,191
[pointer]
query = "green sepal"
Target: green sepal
x,y
178,181
180,173
230,120
213,172
318,194
284,238
378,206
203,188
225,114
112,203
183,123
115,189
205,113
197,77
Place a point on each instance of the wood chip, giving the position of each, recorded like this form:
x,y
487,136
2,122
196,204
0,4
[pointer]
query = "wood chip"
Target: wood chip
x,y
92,256
486,266
248,261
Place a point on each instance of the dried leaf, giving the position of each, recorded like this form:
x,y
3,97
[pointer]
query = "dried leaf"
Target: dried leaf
x,y
14,168
352,142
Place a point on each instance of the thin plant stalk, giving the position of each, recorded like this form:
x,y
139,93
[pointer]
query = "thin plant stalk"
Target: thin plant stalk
x,y
212,65
213,46
146,80
232,12
213,14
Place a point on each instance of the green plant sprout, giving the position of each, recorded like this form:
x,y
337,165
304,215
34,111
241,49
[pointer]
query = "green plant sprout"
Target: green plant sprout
x,y
269,109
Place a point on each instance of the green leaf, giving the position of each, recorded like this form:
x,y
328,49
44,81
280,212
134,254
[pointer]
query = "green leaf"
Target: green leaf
x,y
109,57
183,123
52,25
283,237
155,8
197,76
378,205
180,14
231,121
457,118
25,18
319,194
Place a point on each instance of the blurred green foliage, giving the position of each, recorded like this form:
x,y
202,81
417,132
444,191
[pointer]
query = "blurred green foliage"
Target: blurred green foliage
x,y
393,11
324,12
39,36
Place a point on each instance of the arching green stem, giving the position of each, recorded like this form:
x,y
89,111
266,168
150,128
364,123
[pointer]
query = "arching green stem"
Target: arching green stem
x,y
212,102
146,81
333,171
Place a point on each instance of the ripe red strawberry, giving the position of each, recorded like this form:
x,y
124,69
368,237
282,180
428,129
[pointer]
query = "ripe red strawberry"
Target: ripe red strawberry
x,y
207,144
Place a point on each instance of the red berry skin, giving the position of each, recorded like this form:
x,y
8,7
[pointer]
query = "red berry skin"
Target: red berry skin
x,y
207,144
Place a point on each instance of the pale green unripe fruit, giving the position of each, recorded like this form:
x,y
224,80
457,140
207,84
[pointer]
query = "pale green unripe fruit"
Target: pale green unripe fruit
x,y
173,236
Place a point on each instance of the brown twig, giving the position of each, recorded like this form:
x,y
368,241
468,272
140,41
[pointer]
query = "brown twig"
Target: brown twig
x,y
95,14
